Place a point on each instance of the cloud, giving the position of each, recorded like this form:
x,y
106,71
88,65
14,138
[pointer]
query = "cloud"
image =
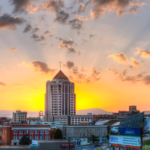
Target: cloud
x,y
121,7
71,49
144,53
69,64
62,46
114,71
76,24
146,80
82,18
13,49
47,32
27,28
68,42
135,63
42,67
38,38
3,84
81,8
120,57
96,75
91,35
62,17
36,29
20,5
7,21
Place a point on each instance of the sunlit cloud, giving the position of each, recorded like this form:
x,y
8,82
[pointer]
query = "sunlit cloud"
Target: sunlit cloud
x,y
120,57
135,63
13,49
144,53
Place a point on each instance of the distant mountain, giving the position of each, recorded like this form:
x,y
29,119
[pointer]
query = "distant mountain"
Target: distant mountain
x,y
146,112
95,111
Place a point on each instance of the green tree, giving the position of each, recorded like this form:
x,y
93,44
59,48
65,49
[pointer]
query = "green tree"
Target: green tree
x,y
94,138
58,134
25,140
52,133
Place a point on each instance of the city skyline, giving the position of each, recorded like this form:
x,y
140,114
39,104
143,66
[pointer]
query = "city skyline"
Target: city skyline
x,y
103,46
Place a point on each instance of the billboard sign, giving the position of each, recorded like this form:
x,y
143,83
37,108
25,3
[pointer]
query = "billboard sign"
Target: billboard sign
x,y
125,140
41,114
125,137
114,130
147,125
130,131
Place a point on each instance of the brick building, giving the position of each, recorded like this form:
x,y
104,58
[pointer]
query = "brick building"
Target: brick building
x,y
12,134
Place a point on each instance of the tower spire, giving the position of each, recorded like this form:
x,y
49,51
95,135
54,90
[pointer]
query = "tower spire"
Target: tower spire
x,y
60,65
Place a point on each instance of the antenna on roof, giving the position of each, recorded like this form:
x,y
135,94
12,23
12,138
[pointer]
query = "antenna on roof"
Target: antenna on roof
x,y
60,65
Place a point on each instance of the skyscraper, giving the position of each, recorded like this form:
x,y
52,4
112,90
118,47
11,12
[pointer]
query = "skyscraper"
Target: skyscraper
x,y
60,98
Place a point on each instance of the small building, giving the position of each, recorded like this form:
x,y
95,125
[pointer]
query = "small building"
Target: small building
x,y
19,116
84,133
12,134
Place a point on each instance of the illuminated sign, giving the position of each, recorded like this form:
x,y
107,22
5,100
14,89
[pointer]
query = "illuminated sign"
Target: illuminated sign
x,y
41,114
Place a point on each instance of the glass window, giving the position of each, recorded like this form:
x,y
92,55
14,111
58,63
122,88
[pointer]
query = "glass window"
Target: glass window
x,y
41,131
36,131
41,137
25,131
47,131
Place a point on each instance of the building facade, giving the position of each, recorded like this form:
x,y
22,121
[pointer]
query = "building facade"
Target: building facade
x,y
132,108
12,134
84,133
60,98
19,116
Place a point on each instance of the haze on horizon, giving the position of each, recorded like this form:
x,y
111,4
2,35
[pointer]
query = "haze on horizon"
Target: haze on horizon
x,y
103,46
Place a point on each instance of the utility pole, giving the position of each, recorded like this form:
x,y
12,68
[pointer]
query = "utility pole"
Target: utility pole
x,y
69,142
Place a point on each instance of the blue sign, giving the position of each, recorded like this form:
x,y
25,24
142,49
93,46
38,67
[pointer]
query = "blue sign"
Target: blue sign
x,y
130,131
41,134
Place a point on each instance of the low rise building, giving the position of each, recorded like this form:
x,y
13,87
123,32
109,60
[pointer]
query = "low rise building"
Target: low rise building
x,y
12,134
84,133
19,116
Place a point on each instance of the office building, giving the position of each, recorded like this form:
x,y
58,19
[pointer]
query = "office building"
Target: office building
x,y
19,117
60,98
132,108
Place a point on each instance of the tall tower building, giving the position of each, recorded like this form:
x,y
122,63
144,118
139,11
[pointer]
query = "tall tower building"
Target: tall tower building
x,y
60,98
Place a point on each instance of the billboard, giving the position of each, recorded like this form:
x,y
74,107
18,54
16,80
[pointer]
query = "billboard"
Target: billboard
x,y
125,141
125,137
114,130
41,114
147,125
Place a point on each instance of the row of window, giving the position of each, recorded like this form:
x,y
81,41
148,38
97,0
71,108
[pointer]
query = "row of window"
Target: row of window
x,y
30,131
32,138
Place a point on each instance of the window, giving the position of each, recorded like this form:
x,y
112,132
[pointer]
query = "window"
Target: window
x,y
46,137
36,131
41,131
41,137
25,131
15,131
47,131
31,131
21,131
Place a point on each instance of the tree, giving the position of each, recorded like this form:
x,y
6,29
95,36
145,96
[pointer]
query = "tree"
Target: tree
x,y
52,134
25,140
94,138
58,134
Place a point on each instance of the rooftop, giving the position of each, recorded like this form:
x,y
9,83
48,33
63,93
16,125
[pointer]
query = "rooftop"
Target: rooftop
x,y
60,75
132,121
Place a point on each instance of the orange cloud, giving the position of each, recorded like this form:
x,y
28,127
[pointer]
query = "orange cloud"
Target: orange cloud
x,y
135,63
62,46
144,53
13,49
120,57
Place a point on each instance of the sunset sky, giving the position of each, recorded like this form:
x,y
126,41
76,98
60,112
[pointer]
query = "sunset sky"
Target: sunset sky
x,y
104,47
